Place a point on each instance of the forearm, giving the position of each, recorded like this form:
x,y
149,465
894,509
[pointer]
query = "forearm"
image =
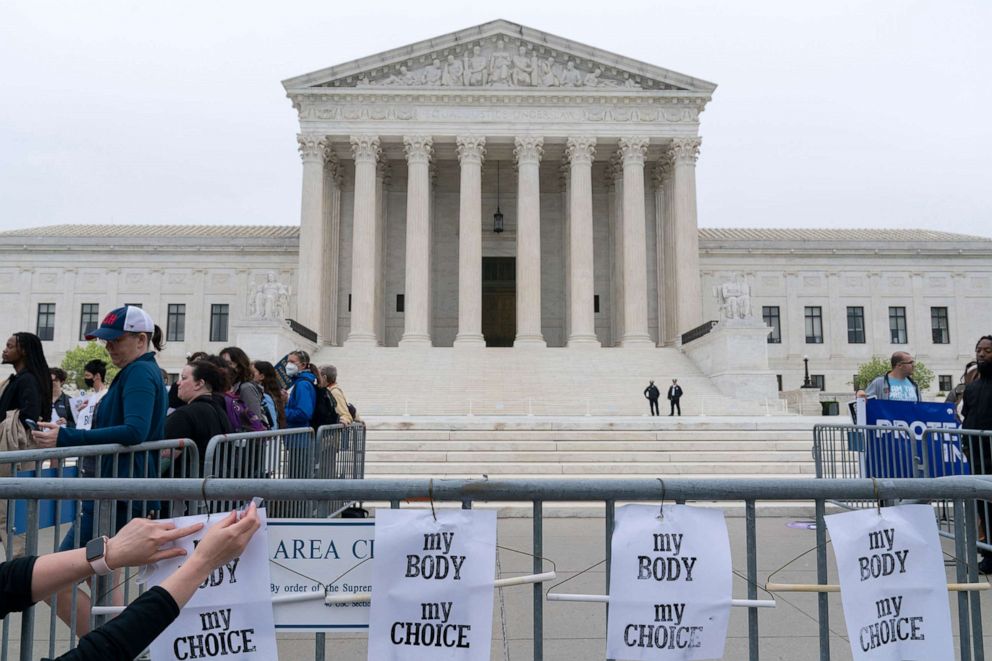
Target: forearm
x,y
57,571
183,582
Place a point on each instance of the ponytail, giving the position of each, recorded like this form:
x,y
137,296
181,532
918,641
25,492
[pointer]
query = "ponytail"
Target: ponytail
x,y
155,339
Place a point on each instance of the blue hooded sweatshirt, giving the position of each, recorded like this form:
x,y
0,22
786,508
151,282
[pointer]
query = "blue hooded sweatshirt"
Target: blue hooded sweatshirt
x,y
299,408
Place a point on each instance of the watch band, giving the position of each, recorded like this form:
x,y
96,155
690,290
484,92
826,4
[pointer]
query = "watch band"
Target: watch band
x,y
99,565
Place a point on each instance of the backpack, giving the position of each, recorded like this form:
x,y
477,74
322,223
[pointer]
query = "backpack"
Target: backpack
x,y
324,411
242,418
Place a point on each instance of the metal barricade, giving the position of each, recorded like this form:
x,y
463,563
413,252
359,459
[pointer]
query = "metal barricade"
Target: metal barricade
x,y
962,491
960,452
340,455
28,524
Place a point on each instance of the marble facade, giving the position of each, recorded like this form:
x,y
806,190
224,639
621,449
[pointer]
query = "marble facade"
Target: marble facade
x,y
599,154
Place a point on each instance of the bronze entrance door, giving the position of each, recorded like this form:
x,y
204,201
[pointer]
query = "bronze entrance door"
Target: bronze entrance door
x,y
499,300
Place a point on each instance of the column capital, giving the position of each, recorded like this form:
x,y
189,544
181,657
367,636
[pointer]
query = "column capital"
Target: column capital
x,y
632,150
662,171
471,148
365,148
580,150
685,150
418,148
528,149
311,146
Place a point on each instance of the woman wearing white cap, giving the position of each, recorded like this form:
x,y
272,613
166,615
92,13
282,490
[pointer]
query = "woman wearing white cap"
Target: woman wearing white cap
x,y
133,411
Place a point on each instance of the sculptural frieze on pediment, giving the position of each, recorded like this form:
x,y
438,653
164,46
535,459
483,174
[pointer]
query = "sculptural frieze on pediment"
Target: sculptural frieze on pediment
x,y
500,63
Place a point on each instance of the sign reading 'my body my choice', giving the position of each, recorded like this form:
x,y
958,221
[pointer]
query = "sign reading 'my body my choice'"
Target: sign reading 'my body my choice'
x,y
670,584
432,585
893,583
230,616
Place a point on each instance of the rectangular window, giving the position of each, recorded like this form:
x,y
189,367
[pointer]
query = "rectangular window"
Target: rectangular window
x,y
897,325
176,323
45,328
134,305
773,317
778,377
814,324
595,303
349,302
89,319
818,381
855,325
939,326
400,303
945,382
218,322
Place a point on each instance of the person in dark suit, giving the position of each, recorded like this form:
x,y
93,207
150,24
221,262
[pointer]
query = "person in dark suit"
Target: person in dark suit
x,y
653,395
674,395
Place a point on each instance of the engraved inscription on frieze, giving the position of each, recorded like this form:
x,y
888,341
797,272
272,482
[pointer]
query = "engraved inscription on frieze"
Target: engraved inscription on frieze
x,y
500,62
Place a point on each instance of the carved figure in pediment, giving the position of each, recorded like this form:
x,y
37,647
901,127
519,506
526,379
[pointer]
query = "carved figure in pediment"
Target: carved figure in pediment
x,y
433,73
404,77
499,65
524,69
550,72
629,83
476,68
454,73
571,77
592,79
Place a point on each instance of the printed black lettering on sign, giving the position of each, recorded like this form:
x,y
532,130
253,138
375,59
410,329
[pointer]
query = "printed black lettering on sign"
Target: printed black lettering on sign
x,y
669,633
226,572
433,630
216,640
892,626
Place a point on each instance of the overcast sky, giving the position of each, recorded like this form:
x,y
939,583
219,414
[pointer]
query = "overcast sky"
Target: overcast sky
x,y
840,113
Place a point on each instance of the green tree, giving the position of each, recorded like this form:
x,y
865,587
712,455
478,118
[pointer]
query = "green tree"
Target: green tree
x,y
75,360
879,366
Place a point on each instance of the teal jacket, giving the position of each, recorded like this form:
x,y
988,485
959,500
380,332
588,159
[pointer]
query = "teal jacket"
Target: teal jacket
x,y
133,411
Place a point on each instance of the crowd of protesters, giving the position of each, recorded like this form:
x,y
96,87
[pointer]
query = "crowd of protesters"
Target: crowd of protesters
x,y
214,394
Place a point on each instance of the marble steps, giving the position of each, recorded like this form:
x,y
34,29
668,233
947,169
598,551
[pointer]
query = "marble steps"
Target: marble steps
x,y
553,382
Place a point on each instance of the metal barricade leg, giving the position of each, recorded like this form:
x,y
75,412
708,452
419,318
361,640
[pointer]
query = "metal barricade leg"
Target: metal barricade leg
x,y
611,507
822,605
752,579
975,605
538,551
963,553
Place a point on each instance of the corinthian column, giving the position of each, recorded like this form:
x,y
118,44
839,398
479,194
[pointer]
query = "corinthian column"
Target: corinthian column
x,y
311,271
528,153
582,317
416,331
471,150
635,285
366,151
688,290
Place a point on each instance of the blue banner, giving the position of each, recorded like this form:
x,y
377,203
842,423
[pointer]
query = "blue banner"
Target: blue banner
x,y
46,508
901,453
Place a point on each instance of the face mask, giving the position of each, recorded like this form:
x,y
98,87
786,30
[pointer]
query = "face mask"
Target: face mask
x,y
292,369
88,382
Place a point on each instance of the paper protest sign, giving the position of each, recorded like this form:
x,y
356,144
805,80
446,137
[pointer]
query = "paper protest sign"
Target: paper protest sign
x,y
893,583
230,616
83,407
322,550
432,585
670,584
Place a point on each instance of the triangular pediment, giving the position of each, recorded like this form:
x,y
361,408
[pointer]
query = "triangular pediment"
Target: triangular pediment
x,y
499,56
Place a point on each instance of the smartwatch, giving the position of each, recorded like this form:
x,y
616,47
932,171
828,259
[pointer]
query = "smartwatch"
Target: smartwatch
x,y
96,550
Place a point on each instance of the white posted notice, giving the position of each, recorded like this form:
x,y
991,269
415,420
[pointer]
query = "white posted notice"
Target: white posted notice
x,y
432,585
670,584
893,583
230,616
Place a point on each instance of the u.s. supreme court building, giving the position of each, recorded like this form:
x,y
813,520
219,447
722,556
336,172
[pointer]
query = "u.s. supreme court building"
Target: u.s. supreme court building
x,y
502,220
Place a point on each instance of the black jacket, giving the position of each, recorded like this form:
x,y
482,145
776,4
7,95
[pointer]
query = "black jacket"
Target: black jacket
x,y
121,639
652,392
64,410
674,392
23,392
199,421
977,409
